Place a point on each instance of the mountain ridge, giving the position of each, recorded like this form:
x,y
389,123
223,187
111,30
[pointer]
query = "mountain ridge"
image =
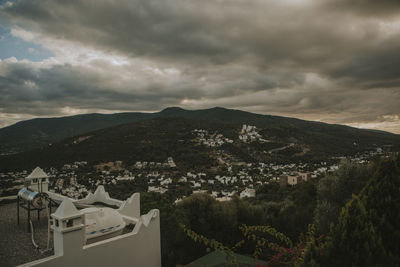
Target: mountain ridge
x,y
39,132
158,138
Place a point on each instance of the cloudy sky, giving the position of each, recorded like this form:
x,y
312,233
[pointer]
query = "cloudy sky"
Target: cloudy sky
x,y
336,61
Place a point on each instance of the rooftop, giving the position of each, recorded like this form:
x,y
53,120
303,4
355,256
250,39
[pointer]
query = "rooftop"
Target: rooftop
x,y
15,242
37,173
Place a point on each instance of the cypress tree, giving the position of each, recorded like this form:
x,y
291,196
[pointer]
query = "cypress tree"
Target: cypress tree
x,y
382,198
354,240
368,229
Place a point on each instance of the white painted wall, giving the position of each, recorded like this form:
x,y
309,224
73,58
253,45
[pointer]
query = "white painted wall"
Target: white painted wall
x,y
141,247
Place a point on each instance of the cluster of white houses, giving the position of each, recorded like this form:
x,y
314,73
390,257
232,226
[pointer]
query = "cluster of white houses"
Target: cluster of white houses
x,y
75,165
151,164
203,137
237,179
249,134
160,180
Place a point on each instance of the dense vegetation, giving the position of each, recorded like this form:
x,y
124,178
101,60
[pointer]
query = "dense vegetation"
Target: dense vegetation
x,y
367,232
354,210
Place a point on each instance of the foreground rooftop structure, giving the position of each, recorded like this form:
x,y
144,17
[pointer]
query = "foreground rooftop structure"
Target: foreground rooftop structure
x,y
139,247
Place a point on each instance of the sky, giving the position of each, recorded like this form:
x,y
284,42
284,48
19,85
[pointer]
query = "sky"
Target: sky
x,y
335,61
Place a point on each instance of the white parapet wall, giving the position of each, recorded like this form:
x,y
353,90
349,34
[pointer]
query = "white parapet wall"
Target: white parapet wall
x,y
100,195
140,247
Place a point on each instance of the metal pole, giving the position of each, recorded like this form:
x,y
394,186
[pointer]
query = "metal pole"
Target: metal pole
x,y
18,209
29,216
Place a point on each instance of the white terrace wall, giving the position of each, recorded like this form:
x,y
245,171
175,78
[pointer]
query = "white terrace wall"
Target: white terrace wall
x,y
100,195
139,248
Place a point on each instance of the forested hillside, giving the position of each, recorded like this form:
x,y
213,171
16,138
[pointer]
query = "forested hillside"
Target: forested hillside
x,y
361,227
36,133
159,138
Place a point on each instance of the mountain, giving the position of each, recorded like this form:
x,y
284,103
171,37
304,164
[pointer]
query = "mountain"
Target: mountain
x,y
36,133
171,132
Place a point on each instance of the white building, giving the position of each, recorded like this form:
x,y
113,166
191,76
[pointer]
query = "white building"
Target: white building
x,y
248,192
38,180
171,162
139,247
166,181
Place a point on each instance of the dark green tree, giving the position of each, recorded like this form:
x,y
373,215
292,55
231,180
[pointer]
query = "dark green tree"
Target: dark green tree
x,y
382,198
334,190
368,229
354,240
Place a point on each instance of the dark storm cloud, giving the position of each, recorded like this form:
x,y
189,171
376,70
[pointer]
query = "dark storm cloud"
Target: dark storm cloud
x,y
46,91
293,57
27,88
268,34
381,8
132,27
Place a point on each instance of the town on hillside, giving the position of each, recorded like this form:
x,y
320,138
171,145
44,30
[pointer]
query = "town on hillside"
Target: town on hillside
x,y
231,176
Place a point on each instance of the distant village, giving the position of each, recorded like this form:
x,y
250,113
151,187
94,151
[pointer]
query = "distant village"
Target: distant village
x,y
76,179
